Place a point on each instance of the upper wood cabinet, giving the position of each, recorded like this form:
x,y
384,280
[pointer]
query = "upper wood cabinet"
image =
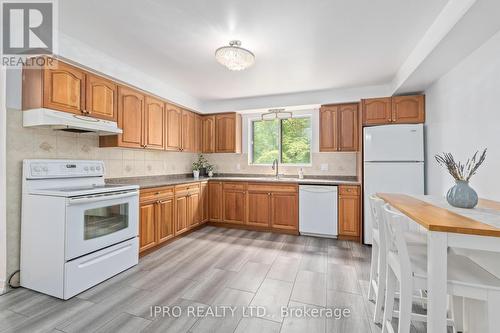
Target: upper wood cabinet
x,y
59,87
408,109
394,110
102,98
130,118
338,127
349,212
154,124
174,128
228,133
208,134
197,133
188,131
328,128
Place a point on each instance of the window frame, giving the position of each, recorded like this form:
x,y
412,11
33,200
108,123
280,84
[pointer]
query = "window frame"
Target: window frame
x,y
280,135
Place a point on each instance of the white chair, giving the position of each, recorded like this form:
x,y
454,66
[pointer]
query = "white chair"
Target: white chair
x,y
408,269
376,289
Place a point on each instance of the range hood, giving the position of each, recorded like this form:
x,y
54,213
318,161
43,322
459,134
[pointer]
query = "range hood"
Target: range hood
x,y
68,122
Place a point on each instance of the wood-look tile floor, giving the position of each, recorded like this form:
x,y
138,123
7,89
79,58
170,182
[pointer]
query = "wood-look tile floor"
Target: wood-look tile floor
x,y
210,267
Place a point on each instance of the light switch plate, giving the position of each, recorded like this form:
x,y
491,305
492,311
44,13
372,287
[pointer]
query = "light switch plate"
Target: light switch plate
x,y
238,166
324,167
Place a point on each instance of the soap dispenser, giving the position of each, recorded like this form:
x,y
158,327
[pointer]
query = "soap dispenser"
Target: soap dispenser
x,y
301,173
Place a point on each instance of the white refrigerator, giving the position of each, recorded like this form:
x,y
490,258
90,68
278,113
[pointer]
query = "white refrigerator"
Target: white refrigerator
x,y
393,163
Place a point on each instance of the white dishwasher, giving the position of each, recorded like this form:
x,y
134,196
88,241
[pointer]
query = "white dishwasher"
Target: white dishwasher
x,y
318,210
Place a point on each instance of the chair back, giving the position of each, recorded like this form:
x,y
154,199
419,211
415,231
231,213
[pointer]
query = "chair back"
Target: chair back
x,y
395,225
375,204
377,210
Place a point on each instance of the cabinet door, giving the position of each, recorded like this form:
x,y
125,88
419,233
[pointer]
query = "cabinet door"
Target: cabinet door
x,y
154,123
377,111
130,117
194,214
188,131
64,88
348,125
102,98
208,134
234,206
328,128
258,208
284,211
197,133
204,202
215,201
147,226
408,109
165,220
181,214
174,128
227,133
349,215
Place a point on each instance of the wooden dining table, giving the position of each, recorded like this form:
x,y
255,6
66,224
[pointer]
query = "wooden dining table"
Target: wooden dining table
x,y
446,226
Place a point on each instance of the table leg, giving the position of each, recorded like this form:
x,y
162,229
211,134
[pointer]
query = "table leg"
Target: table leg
x,y
437,272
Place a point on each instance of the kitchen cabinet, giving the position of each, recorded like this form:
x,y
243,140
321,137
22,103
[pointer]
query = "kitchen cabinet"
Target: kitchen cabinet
x,y
339,127
147,226
204,201
154,124
174,128
228,133
101,98
188,131
194,206
284,211
234,202
130,118
208,134
156,218
215,201
258,207
181,213
394,110
197,133
60,87
349,212
408,109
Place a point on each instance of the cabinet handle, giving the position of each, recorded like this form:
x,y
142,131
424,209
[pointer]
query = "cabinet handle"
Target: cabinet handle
x,y
157,193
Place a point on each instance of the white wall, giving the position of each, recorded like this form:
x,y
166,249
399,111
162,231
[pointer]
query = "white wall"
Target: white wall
x,y
463,115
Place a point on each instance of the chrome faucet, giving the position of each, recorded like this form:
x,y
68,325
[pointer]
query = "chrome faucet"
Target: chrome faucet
x,y
275,167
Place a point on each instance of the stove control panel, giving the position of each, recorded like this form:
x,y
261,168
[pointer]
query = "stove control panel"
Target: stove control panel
x,y
64,168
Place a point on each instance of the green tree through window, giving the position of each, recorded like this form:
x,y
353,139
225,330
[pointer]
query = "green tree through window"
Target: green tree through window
x,y
288,140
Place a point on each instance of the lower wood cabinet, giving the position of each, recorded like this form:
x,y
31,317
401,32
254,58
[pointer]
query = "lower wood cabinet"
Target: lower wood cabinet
x,y
349,212
147,226
259,207
166,216
204,201
285,211
181,214
234,197
215,201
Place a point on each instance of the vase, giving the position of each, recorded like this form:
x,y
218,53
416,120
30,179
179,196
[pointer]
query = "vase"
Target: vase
x,y
196,173
461,195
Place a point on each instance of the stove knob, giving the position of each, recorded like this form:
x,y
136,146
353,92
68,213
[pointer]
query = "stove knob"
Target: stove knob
x,y
86,169
92,168
98,168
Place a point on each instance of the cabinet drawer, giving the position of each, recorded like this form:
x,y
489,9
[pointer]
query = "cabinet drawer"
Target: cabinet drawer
x,y
234,186
156,193
349,190
187,188
272,188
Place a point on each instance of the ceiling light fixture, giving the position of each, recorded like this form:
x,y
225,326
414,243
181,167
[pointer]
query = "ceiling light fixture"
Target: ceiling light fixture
x,y
276,114
234,57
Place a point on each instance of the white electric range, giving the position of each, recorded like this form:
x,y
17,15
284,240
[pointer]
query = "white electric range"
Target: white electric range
x,y
76,231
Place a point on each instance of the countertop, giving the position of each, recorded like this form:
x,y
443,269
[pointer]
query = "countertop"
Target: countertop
x,y
155,181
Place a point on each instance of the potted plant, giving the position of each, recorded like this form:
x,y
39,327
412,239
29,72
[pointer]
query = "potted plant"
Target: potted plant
x,y
210,170
196,169
461,194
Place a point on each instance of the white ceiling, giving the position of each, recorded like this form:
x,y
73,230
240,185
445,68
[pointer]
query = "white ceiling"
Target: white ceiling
x,y
300,45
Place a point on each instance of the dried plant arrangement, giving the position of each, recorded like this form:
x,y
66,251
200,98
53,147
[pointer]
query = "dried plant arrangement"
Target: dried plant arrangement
x,y
458,170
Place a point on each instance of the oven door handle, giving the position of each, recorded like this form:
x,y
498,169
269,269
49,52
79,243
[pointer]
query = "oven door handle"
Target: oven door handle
x,y
103,197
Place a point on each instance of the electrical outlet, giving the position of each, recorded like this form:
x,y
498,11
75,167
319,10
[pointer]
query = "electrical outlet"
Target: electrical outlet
x,y
238,166
324,167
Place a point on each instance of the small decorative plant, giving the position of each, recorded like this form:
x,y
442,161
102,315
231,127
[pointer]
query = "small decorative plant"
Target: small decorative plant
x,y
461,195
458,170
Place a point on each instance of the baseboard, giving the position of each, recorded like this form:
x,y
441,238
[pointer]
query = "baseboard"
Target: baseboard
x,y
3,287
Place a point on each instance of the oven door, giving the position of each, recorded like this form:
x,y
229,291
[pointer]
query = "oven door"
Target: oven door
x,y
96,221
